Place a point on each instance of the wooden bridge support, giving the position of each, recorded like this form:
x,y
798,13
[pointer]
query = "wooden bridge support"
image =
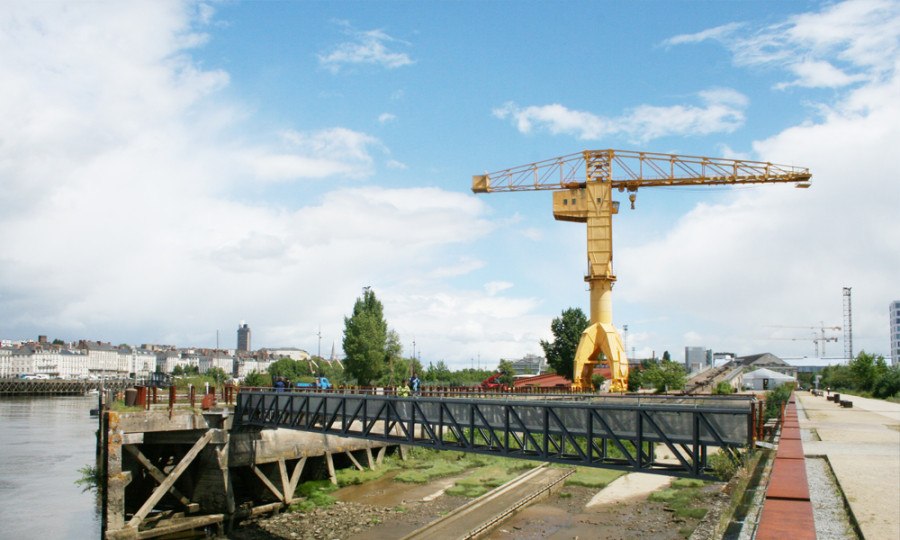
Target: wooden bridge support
x,y
165,475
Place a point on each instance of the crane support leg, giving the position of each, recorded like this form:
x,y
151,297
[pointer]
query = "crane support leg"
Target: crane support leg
x,y
596,339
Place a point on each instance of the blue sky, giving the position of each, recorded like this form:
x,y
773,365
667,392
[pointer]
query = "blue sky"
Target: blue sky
x,y
170,169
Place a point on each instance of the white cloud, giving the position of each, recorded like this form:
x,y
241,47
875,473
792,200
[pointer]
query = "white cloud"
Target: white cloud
x,y
818,74
860,35
367,47
773,255
495,287
122,170
331,152
386,118
715,33
721,111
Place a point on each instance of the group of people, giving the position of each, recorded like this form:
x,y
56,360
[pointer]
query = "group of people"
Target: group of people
x,y
410,387
281,383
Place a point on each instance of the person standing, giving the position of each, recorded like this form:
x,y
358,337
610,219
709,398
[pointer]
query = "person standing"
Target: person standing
x,y
414,384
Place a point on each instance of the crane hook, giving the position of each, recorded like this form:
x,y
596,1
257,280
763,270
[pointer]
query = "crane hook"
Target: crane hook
x,y
632,197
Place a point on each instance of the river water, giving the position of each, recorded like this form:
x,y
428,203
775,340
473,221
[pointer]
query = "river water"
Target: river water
x,y
43,443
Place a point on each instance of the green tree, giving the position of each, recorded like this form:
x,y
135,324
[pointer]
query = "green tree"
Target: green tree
x,y
507,373
437,373
217,374
256,378
889,384
290,369
666,356
868,370
567,329
665,376
366,339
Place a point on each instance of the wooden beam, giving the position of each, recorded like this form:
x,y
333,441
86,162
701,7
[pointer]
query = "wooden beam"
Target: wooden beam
x,y
163,488
285,483
159,476
353,459
295,476
267,482
331,474
369,458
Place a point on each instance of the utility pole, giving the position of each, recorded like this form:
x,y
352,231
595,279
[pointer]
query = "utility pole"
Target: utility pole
x,y
319,334
848,325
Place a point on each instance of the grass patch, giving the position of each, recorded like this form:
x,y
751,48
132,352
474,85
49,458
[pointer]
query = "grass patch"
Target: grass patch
x,y
425,465
685,498
592,478
315,494
120,407
352,476
482,480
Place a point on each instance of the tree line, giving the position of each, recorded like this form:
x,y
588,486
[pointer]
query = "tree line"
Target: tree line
x,y
866,374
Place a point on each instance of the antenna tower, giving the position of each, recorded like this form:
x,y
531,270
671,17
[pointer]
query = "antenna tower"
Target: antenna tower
x,y
848,325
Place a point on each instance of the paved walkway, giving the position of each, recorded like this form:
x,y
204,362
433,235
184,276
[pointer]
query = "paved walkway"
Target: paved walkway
x,y
863,446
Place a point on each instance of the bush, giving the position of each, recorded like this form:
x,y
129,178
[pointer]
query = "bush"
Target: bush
x,y
723,389
775,399
888,385
723,466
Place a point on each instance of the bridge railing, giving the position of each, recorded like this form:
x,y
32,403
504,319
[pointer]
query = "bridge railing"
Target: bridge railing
x,y
615,432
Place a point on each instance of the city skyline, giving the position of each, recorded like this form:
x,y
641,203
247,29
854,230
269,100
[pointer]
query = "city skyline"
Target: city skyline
x,y
169,168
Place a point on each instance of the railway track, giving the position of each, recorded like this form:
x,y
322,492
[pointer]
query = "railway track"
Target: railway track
x,y
481,515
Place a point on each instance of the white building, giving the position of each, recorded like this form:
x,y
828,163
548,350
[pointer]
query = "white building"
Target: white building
x,y
15,362
103,359
765,379
289,352
167,361
895,332
225,363
246,366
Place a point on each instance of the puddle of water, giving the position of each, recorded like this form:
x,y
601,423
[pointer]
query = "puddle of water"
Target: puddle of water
x,y
387,493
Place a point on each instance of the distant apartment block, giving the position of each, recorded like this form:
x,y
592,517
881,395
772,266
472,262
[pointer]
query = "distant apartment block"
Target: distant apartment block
x,y
530,364
895,332
243,338
697,359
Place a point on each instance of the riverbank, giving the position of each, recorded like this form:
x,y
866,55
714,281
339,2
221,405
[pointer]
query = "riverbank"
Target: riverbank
x,y
393,509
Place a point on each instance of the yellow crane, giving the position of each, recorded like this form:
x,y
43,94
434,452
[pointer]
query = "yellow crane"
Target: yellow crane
x,y
582,186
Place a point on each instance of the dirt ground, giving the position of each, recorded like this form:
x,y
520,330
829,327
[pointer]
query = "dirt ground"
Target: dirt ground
x,y
563,516
385,509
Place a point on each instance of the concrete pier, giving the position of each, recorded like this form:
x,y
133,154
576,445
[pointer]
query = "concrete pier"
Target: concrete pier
x,y
170,472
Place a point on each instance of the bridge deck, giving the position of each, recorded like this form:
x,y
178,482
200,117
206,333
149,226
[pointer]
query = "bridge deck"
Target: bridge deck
x,y
594,431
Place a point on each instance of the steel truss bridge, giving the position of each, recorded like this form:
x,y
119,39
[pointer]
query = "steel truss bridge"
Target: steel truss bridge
x,y
614,432
58,387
